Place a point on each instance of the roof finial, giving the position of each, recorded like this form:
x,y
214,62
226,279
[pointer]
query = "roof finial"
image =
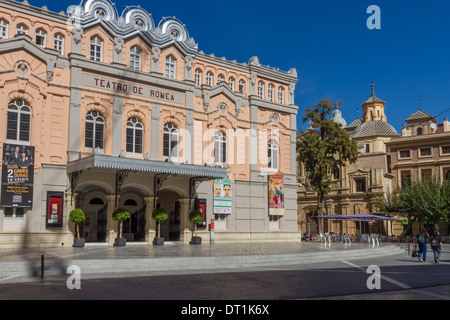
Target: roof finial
x,y
357,112
420,103
373,90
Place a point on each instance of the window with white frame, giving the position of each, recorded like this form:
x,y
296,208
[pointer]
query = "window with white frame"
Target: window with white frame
x,y
220,148
135,58
241,86
219,79
261,90
18,121
21,29
96,49
198,78
40,38
209,79
231,83
272,155
170,140
58,43
135,131
270,92
170,67
94,131
3,29
280,95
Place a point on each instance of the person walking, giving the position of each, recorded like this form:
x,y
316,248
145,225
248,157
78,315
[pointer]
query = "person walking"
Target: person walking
x,y
436,245
422,241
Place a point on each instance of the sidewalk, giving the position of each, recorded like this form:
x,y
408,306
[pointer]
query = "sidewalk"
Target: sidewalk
x,y
178,257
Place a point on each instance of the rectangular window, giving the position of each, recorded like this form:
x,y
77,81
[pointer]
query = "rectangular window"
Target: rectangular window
x,y
360,185
405,154
89,134
445,150
426,174
405,177
11,132
425,152
24,134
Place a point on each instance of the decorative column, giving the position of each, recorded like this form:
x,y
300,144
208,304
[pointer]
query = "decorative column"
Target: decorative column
x,y
111,225
185,224
150,224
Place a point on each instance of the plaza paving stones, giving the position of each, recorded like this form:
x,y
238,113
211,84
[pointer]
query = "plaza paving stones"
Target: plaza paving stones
x,y
182,258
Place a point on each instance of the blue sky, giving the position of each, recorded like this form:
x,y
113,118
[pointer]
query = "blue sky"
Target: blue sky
x,y
329,44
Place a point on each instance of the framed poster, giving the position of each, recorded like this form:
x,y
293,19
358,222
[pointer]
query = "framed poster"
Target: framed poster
x,y
54,209
200,204
276,194
222,196
17,176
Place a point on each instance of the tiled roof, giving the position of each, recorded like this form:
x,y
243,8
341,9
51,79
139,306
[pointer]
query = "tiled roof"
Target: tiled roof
x,y
375,128
419,115
354,124
373,99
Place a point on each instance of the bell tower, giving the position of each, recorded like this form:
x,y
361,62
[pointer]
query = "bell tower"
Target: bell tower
x,y
373,108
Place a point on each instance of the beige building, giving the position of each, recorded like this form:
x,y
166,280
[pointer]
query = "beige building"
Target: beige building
x,y
115,110
358,183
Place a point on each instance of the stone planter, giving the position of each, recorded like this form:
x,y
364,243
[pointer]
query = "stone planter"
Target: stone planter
x,y
158,241
79,243
196,240
120,242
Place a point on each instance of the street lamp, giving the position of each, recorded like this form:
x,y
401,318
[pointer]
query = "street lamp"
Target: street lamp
x,y
359,204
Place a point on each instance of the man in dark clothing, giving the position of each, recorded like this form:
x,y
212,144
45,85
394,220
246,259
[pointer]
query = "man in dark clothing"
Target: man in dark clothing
x,y
422,241
436,245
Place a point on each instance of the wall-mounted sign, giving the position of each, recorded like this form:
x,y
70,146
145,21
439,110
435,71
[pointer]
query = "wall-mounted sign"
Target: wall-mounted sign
x,y
119,86
17,176
276,194
222,196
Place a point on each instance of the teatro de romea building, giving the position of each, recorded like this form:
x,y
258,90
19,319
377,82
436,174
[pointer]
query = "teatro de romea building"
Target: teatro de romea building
x,y
109,110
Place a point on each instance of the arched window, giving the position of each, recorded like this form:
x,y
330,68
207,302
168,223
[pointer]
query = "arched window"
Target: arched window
x,y
270,92
220,148
170,67
280,95
419,131
219,79
231,83
198,78
94,133
96,49
58,43
242,87
209,79
135,131
261,90
170,140
272,154
19,121
21,29
3,29
135,58
41,37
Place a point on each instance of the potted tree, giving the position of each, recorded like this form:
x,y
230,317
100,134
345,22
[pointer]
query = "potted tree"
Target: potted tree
x,y
120,215
195,217
159,215
77,216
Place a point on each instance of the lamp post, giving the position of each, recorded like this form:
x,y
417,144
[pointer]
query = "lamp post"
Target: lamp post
x,y
359,204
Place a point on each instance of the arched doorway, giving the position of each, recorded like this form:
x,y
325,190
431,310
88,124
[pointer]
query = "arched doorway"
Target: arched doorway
x,y
94,227
170,229
133,228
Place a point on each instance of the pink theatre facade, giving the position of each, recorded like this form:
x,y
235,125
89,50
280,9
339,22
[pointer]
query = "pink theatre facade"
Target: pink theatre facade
x,y
114,111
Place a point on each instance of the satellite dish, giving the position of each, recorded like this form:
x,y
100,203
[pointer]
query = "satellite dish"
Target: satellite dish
x,y
433,126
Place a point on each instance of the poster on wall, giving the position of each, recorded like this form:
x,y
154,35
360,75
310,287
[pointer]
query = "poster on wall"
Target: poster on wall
x,y
276,194
222,194
54,209
17,176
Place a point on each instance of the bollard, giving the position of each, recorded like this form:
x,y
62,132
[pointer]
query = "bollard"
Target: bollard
x,y
42,267
212,231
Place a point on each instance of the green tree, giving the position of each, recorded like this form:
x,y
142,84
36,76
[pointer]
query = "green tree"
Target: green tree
x,y
159,215
325,149
77,216
195,217
121,215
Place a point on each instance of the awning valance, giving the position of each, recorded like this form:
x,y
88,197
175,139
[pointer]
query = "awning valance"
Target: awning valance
x,y
149,166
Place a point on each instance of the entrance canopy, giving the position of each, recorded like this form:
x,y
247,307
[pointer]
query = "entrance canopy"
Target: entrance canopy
x,y
122,166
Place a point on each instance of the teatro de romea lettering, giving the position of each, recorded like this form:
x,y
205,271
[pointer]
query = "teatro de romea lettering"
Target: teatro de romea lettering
x,y
100,111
